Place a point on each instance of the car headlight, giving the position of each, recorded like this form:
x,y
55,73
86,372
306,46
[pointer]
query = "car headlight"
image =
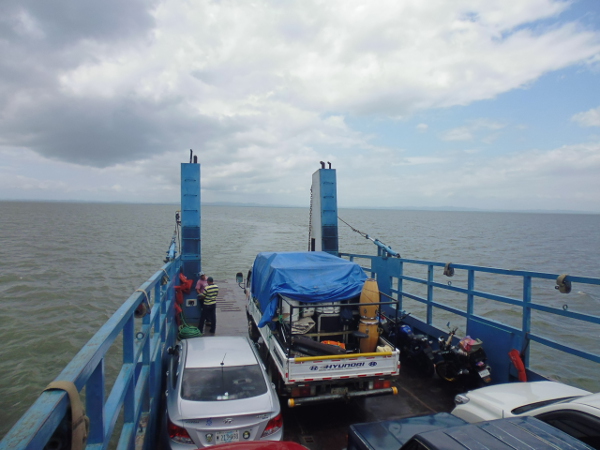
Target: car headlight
x,y
461,399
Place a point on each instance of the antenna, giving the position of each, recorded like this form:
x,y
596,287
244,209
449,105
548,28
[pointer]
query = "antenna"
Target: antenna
x,y
224,394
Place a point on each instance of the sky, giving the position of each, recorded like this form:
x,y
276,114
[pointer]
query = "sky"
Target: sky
x,y
486,104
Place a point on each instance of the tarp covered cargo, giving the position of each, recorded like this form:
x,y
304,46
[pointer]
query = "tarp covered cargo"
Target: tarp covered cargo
x,y
309,277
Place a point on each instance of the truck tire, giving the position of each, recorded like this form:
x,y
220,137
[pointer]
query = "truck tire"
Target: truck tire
x,y
253,330
275,378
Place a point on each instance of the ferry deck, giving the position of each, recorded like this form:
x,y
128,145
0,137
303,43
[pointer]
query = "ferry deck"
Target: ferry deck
x,y
325,425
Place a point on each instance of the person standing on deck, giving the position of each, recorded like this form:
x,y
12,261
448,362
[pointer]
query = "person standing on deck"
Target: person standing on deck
x,y
209,309
201,284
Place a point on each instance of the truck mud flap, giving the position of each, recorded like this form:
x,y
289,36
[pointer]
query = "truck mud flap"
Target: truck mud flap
x,y
299,401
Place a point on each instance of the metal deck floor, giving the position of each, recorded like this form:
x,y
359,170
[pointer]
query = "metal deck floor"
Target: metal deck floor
x,y
325,426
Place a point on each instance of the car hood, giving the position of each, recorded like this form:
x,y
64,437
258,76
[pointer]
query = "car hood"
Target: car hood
x,y
254,405
501,399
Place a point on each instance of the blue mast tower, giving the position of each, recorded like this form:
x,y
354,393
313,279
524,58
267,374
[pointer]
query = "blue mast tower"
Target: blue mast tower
x,y
323,235
191,260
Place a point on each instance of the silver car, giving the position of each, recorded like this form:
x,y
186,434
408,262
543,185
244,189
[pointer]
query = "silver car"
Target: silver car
x,y
218,392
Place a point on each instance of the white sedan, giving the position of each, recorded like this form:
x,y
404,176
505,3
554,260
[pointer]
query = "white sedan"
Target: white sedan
x,y
573,410
218,392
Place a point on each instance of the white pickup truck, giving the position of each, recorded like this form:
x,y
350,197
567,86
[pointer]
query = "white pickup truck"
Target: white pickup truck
x,y
319,332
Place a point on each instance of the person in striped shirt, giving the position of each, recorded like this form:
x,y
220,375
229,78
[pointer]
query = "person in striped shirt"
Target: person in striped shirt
x,y
209,306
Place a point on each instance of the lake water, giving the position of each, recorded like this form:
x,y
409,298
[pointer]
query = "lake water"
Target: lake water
x,y
66,267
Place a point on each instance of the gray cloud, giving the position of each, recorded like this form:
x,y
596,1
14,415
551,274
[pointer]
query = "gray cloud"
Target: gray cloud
x,y
63,23
100,133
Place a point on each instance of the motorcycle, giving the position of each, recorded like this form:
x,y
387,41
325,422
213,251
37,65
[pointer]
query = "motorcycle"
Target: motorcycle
x,y
465,362
415,351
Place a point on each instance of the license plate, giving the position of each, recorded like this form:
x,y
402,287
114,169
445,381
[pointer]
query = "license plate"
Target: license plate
x,y
339,391
227,436
484,373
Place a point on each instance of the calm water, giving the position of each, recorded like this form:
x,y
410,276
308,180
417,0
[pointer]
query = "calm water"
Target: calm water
x,y
66,267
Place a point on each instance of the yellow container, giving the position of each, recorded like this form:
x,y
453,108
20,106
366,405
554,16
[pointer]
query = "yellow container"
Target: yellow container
x,y
369,327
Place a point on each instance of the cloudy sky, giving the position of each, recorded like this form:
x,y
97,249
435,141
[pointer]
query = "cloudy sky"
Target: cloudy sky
x,y
490,104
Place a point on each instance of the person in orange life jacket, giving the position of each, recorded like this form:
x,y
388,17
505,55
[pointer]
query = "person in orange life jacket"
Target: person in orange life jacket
x,y
209,307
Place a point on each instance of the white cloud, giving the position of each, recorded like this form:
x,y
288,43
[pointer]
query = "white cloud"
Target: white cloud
x,y
467,133
458,134
589,118
422,127
391,58
562,178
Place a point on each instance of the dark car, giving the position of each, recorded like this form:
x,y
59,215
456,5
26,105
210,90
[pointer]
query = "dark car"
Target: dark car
x,y
444,431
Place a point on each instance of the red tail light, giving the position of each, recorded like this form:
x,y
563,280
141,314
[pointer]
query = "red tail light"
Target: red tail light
x,y
274,425
178,434
382,384
301,391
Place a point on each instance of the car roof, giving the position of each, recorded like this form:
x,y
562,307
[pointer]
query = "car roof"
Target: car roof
x,y
514,432
592,400
211,351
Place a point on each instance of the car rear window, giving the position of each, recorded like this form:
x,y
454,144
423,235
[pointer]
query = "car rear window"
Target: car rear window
x,y
222,383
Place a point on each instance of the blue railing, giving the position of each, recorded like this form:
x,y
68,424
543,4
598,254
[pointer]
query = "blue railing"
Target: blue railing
x,y
129,415
454,292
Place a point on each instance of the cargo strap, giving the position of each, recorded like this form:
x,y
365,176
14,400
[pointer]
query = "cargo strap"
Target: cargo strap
x,y
80,423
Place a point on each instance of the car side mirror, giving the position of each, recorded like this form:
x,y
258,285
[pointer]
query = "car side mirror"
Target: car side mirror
x,y
239,279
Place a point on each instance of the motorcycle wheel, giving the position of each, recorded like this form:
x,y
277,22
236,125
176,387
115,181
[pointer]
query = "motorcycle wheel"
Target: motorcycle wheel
x,y
445,371
424,366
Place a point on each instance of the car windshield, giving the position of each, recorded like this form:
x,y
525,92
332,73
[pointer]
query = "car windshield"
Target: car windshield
x,y
222,383
532,406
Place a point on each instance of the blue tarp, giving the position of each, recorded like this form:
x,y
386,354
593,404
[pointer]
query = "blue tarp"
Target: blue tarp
x,y
309,277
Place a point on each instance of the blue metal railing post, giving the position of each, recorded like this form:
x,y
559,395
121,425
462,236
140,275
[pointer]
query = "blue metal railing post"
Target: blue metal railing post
x,y
526,325
94,401
429,294
401,286
128,358
470,296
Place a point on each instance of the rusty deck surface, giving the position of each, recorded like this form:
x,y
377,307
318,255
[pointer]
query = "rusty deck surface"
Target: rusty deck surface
x,y
325,426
